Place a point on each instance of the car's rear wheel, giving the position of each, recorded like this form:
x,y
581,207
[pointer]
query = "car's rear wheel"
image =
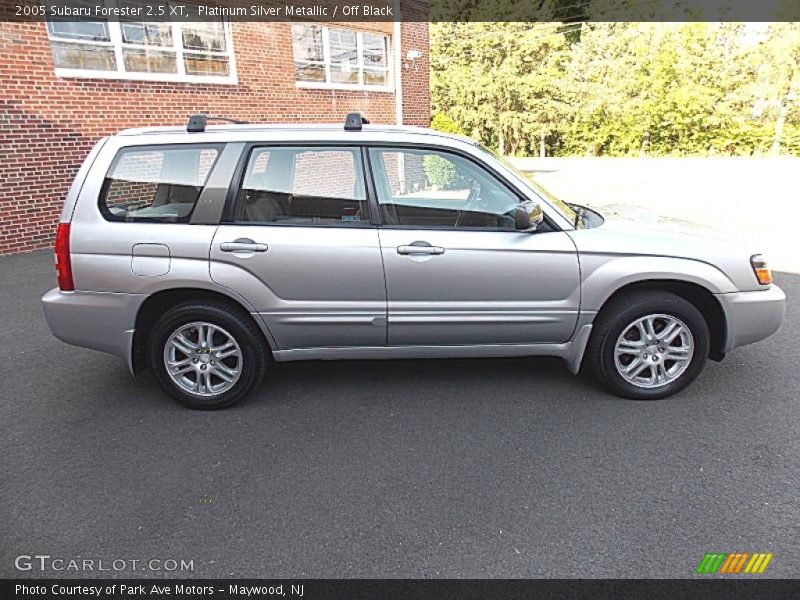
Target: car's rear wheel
x,y
206,355
648,345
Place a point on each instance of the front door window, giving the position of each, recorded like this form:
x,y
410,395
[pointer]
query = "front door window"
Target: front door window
x,y
430,188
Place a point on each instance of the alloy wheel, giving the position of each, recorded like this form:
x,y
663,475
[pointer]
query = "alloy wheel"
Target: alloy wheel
x,y
203,359
654,351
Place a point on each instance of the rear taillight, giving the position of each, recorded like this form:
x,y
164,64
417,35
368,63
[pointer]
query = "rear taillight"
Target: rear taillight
x,y
63,259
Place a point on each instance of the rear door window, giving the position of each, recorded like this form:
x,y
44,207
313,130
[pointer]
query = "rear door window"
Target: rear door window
x,y
156,183
304,186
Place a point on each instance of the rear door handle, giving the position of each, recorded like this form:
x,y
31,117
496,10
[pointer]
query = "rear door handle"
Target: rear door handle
x,y
243,245
420,248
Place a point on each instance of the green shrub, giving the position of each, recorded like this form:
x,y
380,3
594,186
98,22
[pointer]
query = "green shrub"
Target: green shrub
x,y
441,173
442,122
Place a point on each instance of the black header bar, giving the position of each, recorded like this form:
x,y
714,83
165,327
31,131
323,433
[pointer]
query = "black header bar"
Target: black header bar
x,y
403,589
565,11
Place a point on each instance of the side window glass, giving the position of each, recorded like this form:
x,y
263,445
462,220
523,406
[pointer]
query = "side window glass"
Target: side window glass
x,y
304,186
156,183
428,188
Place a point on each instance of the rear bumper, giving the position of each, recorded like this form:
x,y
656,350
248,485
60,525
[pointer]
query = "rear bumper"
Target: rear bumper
x,y
752,316
101,321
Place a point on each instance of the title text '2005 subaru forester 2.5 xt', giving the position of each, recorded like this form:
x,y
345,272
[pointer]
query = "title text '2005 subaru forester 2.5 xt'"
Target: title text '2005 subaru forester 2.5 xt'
x,y
205,253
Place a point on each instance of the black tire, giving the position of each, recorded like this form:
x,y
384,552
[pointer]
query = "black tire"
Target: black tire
x,y
618,315
252,352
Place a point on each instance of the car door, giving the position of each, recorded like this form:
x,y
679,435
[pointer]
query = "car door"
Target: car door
x,y
457,270
302,250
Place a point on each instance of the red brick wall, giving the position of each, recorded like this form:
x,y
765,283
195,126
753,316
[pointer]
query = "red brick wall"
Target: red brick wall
x,y
416,94
48,124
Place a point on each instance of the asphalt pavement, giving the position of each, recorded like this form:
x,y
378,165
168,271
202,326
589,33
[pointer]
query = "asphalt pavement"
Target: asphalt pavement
x,y
441,468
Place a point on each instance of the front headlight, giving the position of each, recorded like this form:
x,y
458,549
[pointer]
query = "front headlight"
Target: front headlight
x,y
761,269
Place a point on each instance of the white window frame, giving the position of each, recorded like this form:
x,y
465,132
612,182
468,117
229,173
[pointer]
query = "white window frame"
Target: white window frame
x,y
115,36
326,56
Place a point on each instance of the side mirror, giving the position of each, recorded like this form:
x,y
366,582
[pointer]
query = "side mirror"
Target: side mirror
x,y
528,216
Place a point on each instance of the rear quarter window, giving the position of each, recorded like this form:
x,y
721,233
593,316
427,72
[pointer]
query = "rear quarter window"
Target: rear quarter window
x,y
156,183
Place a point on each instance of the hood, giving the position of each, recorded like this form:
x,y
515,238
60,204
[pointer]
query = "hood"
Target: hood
x,y
634,231
644,221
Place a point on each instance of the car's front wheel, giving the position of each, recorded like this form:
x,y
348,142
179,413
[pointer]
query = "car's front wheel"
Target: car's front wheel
x,y
206,355
648,345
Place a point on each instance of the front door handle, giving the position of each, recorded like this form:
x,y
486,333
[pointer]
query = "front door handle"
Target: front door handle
x,y
420,248
243,245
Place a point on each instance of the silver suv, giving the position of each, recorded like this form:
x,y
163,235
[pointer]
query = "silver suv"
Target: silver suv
x,y
206,253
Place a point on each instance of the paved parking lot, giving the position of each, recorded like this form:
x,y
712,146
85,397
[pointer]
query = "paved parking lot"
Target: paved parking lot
x,y
450,468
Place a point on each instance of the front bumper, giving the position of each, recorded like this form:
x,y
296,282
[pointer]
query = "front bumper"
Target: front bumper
x,y
102,321
752,316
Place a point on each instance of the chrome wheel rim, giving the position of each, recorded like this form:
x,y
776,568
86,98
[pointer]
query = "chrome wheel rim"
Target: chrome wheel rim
x,y
203,359
653,351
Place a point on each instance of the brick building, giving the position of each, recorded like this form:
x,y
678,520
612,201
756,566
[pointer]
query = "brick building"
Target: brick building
x,y
63,85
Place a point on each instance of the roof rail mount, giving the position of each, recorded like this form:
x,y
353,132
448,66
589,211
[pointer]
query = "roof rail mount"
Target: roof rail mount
x,y
354,122
197,123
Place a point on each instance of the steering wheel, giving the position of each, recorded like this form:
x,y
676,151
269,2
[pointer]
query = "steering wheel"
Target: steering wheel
x,y
471,202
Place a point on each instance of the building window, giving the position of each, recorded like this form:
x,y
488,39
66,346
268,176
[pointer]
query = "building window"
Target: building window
x,y
156,51
340,58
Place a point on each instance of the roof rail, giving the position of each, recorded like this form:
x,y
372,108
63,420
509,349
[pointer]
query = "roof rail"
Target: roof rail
x,y
197,123
355,122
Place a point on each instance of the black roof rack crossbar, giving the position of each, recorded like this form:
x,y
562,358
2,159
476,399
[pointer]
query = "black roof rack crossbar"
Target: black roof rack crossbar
x,y
197,123
354,122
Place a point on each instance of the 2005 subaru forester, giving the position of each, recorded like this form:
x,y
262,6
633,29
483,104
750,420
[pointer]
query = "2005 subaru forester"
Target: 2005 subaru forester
x,y
204,253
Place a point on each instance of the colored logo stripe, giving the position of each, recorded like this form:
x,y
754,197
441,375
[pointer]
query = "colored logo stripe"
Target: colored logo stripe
x,y
710,563
734,563
718,562
758,563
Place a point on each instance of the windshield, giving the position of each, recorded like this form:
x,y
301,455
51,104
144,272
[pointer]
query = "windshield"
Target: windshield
x,y
557,202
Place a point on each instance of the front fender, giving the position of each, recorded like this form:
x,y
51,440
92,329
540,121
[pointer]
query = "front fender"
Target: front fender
x,y
602,275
